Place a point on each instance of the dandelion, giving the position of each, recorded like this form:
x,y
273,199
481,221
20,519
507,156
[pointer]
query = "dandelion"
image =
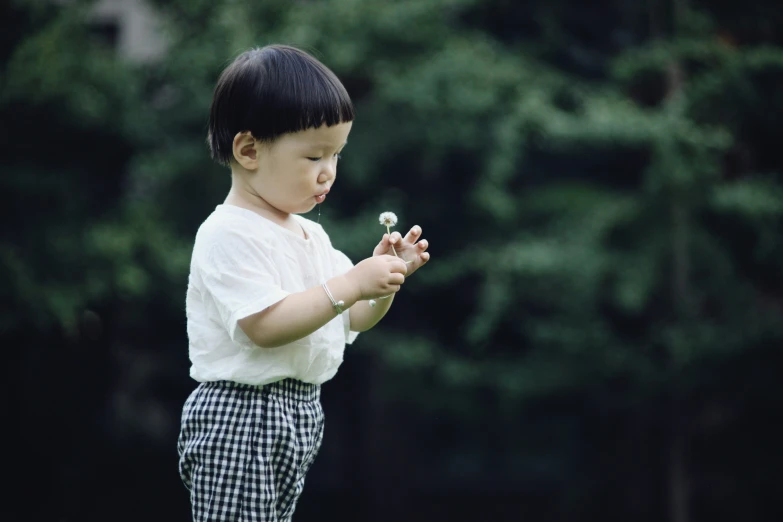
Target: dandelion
x,y
388,219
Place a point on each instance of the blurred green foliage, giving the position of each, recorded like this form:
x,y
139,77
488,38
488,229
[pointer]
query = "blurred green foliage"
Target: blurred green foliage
x,y
603,198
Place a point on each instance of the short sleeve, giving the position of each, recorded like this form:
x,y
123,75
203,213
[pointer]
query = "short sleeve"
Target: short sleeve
x,y
342,265
241,278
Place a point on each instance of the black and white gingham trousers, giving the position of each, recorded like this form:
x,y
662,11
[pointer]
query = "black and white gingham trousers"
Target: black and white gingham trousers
x,y
244,450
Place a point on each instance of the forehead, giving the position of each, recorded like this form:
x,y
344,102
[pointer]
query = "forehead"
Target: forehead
x,y
323,136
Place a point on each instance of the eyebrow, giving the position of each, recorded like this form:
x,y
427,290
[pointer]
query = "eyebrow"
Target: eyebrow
x,y
325,145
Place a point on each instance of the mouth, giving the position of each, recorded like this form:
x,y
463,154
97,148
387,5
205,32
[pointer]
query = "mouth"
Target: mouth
x,y
320,198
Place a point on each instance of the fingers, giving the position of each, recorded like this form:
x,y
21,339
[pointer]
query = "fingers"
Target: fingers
x,y
381,247
413,234
395,238
396,279
423,255
398,265
387,241
422,260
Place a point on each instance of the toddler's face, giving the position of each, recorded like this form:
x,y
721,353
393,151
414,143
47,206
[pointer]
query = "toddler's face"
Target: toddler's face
x,y
297,170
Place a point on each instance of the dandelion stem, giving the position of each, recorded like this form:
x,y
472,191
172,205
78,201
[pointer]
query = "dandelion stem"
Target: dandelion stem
x,y
388,229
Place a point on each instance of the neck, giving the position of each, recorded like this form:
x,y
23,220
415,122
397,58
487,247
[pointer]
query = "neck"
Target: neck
x,y
242,195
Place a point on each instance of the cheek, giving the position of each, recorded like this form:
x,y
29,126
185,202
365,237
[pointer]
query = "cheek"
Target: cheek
x,y
311,173
307,176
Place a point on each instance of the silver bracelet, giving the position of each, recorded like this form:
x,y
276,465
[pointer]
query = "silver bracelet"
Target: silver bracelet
x,y
337,305
373,302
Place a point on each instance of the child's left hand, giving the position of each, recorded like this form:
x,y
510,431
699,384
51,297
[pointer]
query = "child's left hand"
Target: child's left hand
x,y
411,249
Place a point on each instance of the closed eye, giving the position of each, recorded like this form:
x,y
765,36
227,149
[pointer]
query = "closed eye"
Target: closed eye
x,y
336,155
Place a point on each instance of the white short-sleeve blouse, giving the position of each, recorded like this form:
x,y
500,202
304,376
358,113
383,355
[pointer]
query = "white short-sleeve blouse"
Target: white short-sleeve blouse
x,y
241,264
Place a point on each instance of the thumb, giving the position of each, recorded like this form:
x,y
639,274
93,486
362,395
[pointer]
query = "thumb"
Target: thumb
x,y
400,265
381,247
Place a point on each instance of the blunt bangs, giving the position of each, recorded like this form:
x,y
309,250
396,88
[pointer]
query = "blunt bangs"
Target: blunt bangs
x,y
272,91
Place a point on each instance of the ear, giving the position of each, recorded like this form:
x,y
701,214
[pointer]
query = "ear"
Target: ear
x,y
244,150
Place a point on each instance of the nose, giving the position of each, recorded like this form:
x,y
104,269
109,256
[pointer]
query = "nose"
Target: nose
x,y
328,172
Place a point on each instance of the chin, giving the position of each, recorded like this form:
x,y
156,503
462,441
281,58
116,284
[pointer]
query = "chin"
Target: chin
x,y
305,210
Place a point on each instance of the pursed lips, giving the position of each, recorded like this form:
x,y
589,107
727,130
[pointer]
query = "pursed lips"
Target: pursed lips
x,y
322,196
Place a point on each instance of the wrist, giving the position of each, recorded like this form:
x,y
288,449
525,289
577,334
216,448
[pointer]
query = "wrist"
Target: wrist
x,y
343,289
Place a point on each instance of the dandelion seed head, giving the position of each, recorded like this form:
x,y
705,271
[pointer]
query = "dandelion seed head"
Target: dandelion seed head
x,y
388,219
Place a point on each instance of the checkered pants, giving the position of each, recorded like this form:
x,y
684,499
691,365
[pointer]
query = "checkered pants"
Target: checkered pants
x,y
244,450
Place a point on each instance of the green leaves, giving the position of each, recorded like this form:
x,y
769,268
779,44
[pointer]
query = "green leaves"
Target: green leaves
x,y
60,63
547,196
750,198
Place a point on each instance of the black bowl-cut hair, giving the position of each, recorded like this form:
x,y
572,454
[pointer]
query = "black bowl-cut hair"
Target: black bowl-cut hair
x,y
272,91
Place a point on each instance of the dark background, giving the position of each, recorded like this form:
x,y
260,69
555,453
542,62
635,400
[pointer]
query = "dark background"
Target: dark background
x,y
597,336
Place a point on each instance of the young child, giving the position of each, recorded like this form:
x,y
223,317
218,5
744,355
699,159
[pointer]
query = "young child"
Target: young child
x,y
270,303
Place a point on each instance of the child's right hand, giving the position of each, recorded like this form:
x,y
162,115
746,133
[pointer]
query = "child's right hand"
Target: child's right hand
x,y
378,276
